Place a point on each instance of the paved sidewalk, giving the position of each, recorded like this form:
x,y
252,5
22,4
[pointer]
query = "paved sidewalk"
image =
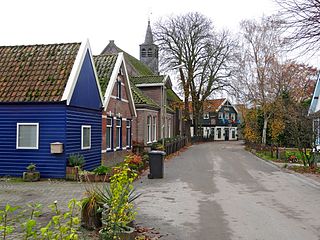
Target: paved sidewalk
x,y
44,192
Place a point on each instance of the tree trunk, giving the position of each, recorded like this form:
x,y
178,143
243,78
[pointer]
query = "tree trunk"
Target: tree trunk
x,y
264,131
186,119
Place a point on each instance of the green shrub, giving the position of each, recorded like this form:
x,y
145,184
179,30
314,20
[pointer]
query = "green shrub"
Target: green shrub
x,y
76,160
101,170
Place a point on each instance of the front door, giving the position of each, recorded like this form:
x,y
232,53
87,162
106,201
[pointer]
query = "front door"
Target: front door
x,y
226,134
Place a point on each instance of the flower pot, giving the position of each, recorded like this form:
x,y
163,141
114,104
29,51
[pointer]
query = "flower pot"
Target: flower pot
x,y
126,234
72,173
31,176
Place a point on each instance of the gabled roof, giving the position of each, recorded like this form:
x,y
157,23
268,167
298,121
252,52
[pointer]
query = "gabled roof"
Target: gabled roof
x,y
36,73
108,67
315,105
134,66
213,105
105,65
172,96
142,99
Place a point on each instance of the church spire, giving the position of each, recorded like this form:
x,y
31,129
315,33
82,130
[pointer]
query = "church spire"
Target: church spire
x,y
149,51
149,37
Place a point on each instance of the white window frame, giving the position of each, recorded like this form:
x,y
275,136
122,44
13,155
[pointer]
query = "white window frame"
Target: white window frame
x,y
154,127
37,139
111,133
82,128
128,128
206,115
119,137
226,115
169,128
149,129
233,116
220,115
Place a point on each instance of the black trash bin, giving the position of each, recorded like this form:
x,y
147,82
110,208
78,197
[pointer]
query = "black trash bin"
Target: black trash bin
x,y
156,164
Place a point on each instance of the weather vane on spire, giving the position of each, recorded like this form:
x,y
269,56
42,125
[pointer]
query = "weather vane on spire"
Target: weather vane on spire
x,y
149,17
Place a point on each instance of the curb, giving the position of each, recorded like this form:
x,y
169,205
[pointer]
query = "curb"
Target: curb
x,y
305,179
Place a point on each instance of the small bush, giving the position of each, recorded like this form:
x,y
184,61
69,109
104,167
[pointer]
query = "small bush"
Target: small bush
x,y
101,170
76,160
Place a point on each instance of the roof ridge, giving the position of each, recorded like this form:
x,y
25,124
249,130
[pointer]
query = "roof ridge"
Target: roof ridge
x,y
40,45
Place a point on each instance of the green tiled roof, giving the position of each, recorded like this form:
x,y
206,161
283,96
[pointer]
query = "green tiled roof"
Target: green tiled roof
x,y
138,67
148,79
140,98
35,73
169,109
172,96
104,66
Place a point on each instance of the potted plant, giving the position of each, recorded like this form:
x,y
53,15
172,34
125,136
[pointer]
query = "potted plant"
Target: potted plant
x,y
75,163
118,211
31,175
91,210
102,173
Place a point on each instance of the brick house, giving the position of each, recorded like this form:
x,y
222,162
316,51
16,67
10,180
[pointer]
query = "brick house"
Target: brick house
x,y
219,120
157,114
119,111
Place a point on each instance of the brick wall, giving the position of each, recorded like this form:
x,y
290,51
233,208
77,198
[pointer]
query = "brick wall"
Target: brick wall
x,y
140,126
153,92
116,109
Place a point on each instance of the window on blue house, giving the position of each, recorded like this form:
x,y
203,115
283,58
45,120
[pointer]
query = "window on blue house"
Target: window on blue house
x,y
109,133
85,137
27,136
118,133
220,115
128,137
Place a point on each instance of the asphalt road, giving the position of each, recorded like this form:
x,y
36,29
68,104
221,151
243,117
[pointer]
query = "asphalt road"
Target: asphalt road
x,y
219,191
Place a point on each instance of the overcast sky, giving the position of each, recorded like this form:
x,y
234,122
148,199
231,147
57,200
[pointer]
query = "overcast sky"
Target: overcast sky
x,y
125,21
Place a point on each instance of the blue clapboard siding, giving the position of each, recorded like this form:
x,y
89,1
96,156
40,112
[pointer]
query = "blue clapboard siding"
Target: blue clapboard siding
x,y
75,118
86,92
51,119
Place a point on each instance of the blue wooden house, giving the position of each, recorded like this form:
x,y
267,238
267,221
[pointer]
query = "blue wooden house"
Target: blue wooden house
x,y
49,99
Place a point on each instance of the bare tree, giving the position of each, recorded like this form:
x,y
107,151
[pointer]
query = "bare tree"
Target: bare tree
x,y
190,40
259,70
301,19
214,73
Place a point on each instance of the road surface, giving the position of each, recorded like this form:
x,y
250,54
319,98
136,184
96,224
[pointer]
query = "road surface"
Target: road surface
x,y
219,191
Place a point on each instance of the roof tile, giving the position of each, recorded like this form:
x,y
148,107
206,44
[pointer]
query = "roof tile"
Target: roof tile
x,y
104,66
28,73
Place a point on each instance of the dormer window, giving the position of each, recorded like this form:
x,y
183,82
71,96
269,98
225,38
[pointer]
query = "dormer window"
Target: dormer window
x,y
206,116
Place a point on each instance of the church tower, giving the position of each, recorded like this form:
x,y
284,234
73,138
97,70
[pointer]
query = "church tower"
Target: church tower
x,y
149,51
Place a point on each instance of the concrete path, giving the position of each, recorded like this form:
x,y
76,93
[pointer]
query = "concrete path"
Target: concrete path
x,y
219,191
